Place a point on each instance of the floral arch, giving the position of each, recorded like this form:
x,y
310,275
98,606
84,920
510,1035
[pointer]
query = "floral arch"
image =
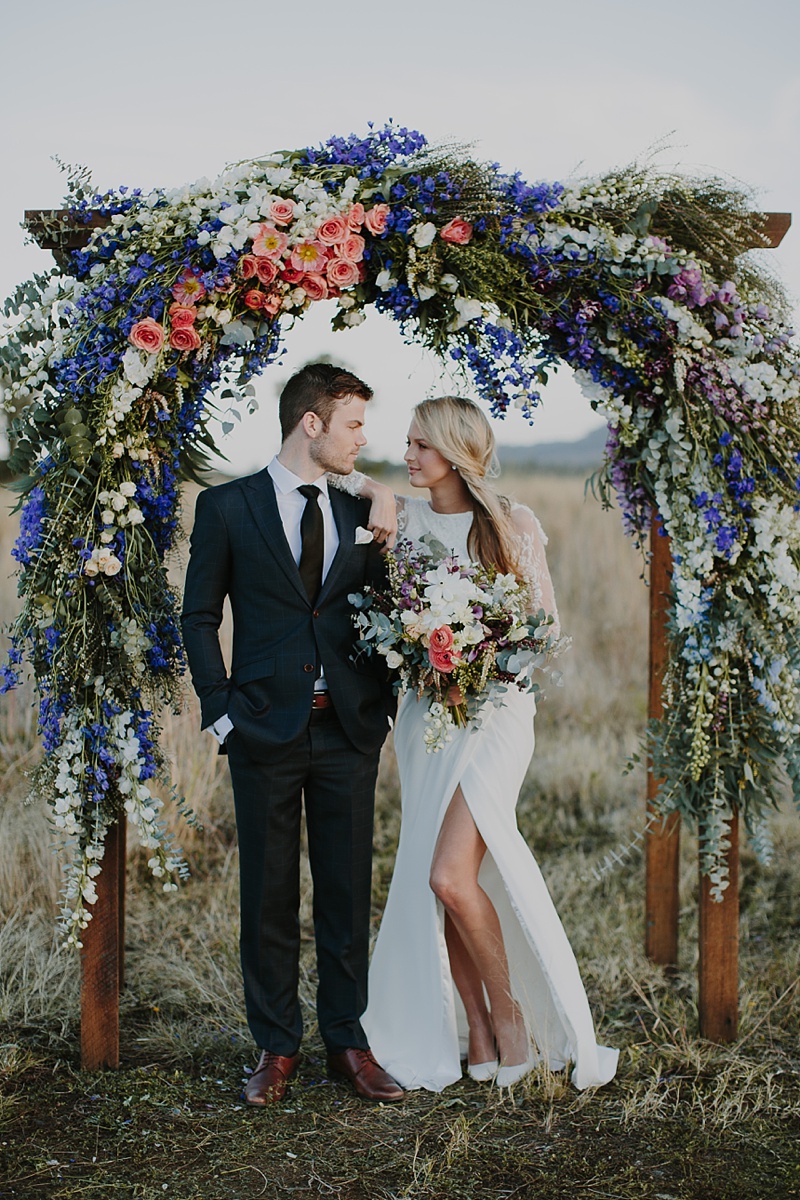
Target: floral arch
x,y
635,280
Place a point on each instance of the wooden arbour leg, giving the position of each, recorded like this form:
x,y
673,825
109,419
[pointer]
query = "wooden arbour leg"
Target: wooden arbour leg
x,y
662,845
102,958
718,966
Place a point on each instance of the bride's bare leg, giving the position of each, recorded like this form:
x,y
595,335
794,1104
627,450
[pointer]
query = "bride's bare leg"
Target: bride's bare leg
x,y
470,989
454,879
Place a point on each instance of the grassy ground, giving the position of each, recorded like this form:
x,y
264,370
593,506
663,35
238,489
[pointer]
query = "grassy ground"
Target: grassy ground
x,y
684,1119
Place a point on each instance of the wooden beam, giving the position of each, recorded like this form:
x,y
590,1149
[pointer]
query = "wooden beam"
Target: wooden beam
x,y
718,967
101,960
662,845
776,226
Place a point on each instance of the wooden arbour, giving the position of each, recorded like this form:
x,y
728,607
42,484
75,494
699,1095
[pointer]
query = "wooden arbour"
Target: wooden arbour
x,y
103,953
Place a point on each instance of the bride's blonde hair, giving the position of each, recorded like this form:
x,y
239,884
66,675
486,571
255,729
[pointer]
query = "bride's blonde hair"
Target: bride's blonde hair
x,y
461,433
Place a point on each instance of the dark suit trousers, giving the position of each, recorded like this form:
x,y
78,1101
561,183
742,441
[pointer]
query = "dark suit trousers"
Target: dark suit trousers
x,y
337,784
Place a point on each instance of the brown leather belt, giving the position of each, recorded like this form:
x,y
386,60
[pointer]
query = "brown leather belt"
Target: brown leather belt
x,y
321,700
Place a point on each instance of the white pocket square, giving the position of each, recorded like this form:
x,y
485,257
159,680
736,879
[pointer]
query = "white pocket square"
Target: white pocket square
x,y
362,535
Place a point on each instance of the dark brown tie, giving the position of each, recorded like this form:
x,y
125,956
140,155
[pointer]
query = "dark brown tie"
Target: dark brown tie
x,y
313,541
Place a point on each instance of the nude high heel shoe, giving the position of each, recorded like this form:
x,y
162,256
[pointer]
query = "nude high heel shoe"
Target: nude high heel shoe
x,y
507,1076
482,1072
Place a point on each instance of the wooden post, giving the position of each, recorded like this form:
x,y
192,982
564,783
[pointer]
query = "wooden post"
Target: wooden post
x,y
718,968
102,959
662,846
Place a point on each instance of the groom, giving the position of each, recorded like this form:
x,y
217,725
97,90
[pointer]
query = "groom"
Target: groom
x,y
296,718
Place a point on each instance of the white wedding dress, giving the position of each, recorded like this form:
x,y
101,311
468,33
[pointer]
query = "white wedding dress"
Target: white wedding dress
x,y
415,1021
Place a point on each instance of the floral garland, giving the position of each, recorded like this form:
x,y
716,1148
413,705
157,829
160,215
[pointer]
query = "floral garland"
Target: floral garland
x,y
634,280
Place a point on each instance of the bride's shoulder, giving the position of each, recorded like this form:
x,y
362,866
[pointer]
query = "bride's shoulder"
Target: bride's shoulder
x,y
526,523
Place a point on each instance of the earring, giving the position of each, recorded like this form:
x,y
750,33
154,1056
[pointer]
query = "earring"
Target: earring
x,y
453,467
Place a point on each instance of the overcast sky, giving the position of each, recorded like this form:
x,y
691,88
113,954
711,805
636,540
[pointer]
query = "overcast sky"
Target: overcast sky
x,y
165,91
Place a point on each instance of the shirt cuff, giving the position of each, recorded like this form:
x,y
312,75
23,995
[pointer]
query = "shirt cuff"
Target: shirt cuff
x,y
221,728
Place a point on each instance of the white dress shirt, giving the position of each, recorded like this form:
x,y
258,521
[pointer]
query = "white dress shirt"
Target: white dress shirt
x,y
290,506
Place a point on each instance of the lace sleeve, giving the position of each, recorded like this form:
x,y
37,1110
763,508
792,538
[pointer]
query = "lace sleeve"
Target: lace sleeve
x,y
352,484
531,541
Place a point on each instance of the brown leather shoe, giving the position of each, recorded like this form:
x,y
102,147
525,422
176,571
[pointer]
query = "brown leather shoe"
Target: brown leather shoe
x,y
268,1083
367,1077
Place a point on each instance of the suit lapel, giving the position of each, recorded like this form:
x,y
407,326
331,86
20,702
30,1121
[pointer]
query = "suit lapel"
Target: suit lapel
x,y
346,525
261,499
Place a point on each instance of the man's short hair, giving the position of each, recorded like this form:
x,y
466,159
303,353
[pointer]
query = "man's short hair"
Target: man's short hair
x,y
316,388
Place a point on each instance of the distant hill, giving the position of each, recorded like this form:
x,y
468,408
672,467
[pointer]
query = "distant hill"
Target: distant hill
x,y
586,454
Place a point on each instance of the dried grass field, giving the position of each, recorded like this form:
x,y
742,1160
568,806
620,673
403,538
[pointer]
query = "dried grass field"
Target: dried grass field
x,y
684,1119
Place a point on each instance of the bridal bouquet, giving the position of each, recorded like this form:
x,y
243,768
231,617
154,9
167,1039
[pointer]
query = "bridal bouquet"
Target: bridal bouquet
x,y
443,625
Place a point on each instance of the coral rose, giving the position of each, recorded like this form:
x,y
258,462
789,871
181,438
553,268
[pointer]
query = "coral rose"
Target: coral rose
x,y
332,230
291,275
282,211
442,638
266,270
375,219
147,335
355,218
315,286
269,242
185,338
254,299
341,273
352,248
181,315
458,230
442,660
248,265
271,303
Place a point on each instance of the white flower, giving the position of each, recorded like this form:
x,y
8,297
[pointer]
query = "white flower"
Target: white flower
x,y
467,311
423,235
354,318
425,292
385,281
394,660
128,488
448,283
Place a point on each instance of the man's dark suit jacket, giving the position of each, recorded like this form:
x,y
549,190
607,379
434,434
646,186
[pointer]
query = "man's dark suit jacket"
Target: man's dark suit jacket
x,y
239,549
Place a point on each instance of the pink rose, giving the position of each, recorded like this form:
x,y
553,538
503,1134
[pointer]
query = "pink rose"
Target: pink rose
x,y
375,219
332,230
254,299
442,639
282,211
458,230
269,242
341,273
147,335
248,265
355,218
266,270
188,288
181,315
291,275
315,286
352,248
308,256
185,338
443,660
271,303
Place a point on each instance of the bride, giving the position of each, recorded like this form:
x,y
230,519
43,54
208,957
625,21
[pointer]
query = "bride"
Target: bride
x,y
471,954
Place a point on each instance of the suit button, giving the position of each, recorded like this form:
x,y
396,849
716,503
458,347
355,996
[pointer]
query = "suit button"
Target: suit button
x,y
315,612
308,667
